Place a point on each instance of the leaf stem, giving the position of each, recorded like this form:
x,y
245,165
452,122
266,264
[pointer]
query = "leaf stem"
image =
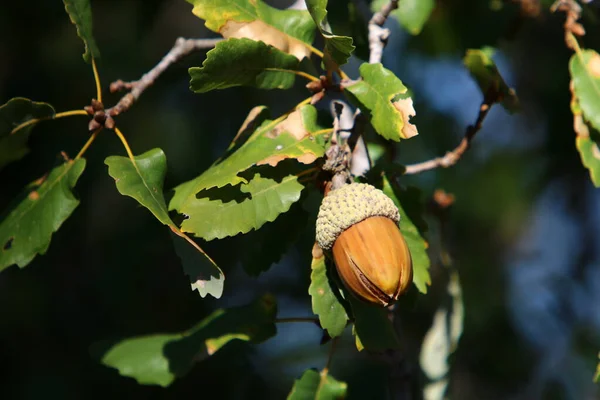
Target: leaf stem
x,y
307,76
180,233
56,116
126,145
314,50
322,132
88,143
97,80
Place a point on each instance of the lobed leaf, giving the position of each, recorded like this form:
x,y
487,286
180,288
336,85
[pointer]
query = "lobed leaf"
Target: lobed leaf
x,y
46,203
412,14
483,69
244,62
13,146
325,304
80,13
291,31
338,49
585,74
268,198
161,358
380,95
269,143
315,385
143,181
415,241
588,148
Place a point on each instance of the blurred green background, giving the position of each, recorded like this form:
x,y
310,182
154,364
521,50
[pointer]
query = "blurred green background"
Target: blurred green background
x,y
523,233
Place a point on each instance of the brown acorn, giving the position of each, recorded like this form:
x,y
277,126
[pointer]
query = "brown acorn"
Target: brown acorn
x,y
360,224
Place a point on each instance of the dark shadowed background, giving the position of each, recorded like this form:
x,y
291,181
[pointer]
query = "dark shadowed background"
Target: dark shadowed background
x,y
524,232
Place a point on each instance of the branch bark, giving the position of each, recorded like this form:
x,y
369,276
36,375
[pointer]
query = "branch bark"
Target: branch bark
x,y
180,49
378,35
453,156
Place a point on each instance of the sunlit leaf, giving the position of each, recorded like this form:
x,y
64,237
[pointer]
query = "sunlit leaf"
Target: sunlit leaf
x,y
263,200
13,146
412,14
337,48
244,62
483,69
315,385
291,31
588,148
159,359
597,376
585,73
269,143
382,96
80,12
45,204
144,182
372,327
415,241
325,303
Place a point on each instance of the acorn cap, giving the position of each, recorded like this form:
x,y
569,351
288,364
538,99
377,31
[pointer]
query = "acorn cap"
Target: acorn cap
x,y
349,205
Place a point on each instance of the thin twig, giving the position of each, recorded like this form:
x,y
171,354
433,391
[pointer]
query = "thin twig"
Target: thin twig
x,y
453,156
378,35
181,48
325,370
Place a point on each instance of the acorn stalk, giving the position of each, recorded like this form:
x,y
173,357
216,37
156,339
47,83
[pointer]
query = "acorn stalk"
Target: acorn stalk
x,y
360,224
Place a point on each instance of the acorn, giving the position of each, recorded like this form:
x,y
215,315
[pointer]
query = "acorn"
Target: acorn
x,y
360,223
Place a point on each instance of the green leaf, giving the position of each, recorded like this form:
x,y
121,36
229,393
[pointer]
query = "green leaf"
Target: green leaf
x,y
325,304
80,12
585,73
161,358
587,147
215,219
412,14
244,62
346,20
372,327
315,385
46,203
415,241
270,143
597,376
590,157
144,182
205,276
13,146
337,48
291,31
483,69
382,96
